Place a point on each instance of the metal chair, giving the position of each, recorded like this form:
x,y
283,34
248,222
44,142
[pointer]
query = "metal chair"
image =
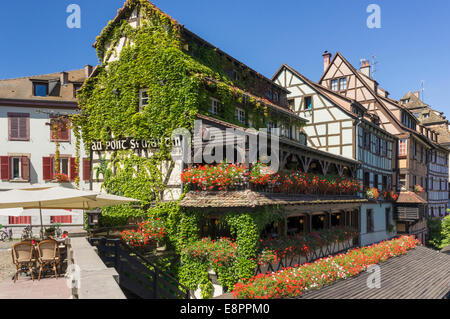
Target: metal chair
x,y
23,258
49,255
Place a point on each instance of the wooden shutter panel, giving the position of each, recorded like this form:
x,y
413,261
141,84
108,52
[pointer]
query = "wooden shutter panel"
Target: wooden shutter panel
x,y
23,127
13,127
86,169
25,168
73,169
47,168
4,168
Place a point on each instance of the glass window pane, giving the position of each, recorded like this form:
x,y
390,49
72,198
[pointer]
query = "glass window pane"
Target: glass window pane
x,y
40,89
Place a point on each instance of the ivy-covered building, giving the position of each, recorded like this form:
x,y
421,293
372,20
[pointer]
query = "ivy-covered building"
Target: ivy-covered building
x,y
156,77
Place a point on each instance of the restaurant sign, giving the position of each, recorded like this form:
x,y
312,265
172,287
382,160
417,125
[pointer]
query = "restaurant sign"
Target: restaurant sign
x,y
133,144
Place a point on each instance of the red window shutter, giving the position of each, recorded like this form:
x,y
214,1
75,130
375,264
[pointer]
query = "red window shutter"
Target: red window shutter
x,y
61,219
25,168
13,127
73,169
65,131
23,127
4,168
19,220
86,169
47,168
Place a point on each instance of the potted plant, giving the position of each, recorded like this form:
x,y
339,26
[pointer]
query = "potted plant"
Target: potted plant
x,y
418,189
372,193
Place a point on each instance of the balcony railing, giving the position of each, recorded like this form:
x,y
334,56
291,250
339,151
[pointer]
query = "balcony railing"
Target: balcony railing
x,y
407,213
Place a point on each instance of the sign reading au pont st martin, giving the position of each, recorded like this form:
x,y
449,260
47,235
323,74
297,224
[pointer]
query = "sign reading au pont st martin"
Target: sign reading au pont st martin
x,y
132,144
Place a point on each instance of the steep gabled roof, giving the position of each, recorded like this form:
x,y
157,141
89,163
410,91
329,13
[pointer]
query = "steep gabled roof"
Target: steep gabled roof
x,y
127,10
414,101
380,99
342,102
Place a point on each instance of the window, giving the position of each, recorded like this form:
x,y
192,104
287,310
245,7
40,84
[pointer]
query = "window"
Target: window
x,y
76,87
385,183
366,140
40,89
366,180
14,168
370,222
215,106
307,102
62,133
276,97
20,220
240,115
375,181
63,165
377,145
269,94
143,99
388,218
334,85
61,219
19,126
342,84
403,147
291,103
402,180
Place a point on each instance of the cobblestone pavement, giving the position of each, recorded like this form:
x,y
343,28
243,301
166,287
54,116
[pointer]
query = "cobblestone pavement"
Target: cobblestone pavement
x,y
7,267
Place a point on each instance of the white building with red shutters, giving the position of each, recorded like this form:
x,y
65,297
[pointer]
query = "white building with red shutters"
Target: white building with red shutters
x,y
28,108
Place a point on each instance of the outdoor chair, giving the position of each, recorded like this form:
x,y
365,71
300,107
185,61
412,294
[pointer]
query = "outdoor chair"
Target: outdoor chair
x,y
48,252
23,257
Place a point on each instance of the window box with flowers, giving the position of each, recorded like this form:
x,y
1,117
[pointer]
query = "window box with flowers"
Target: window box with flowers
x,y
418,189
373,193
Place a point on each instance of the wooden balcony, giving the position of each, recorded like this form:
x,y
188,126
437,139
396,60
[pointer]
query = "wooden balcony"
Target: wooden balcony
x,y
408,213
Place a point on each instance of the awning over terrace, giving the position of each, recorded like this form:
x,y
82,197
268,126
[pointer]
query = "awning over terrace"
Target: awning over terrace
x,y
248,198
422,273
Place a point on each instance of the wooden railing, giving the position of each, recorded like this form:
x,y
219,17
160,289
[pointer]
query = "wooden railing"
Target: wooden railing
x,y
137,274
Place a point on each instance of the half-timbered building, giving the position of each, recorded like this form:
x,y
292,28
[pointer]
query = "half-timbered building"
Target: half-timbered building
x,y
435,125
342,126
340,76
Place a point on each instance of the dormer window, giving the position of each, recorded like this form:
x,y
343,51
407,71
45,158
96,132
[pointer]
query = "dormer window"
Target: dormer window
x,y
40,89
276,97
76,87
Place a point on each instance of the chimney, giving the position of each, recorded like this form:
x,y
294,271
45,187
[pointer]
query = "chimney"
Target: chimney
x,y
326,60
64,78
87,70
417,94
365,67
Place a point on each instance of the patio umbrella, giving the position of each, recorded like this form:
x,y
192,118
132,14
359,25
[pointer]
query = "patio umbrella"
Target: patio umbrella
x,y
58,197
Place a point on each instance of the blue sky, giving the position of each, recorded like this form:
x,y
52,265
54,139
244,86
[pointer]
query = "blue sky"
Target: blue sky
x,y
412,45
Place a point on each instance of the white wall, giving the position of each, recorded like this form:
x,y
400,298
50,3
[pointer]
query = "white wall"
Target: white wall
x,y
380,233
